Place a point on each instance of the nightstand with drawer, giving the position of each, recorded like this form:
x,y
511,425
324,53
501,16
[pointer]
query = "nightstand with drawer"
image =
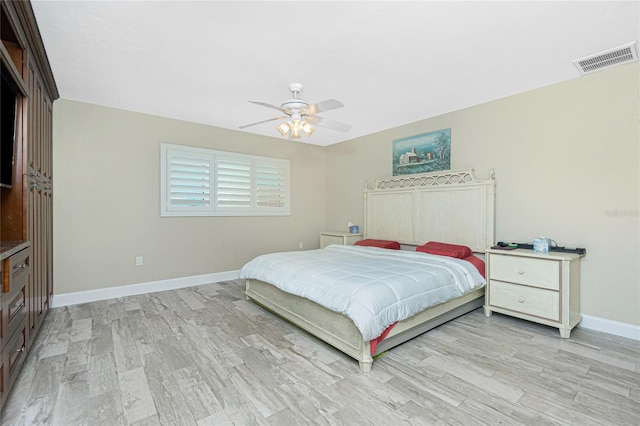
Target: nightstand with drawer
x,y
343,238
539,287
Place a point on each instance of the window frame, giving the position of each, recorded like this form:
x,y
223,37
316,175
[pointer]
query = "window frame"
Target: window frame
x,y
276,180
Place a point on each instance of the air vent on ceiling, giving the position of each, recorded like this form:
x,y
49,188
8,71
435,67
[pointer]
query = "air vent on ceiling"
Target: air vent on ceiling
x,y
607,59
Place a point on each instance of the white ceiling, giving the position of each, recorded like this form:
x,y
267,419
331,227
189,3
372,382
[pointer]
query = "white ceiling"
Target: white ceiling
x,y
390,63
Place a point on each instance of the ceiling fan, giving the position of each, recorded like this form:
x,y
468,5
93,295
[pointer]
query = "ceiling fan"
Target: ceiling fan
x,y
301,116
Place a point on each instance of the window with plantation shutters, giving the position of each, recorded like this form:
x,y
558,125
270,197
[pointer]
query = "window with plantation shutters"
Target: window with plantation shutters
x,y
204,182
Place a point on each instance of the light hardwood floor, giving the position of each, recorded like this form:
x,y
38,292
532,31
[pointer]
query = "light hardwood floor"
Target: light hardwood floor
x,y
206,356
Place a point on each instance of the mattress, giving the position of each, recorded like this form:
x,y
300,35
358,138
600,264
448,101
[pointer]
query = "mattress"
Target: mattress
x,y
374,287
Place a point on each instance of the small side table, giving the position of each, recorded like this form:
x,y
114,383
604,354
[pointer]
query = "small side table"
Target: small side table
x,y
343,238
539,287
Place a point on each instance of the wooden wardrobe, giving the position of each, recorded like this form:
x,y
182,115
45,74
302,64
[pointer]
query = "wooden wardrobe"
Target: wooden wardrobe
x,y
26,227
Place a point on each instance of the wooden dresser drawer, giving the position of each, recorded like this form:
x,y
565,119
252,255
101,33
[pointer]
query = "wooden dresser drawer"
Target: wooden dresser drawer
x,y
532,272
17,270
527,300
12,357
3,326
14,309
4,391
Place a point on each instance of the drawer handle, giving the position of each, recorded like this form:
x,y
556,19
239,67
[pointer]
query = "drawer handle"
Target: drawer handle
x,y
520,270
521,299
23,266
21,349
14,311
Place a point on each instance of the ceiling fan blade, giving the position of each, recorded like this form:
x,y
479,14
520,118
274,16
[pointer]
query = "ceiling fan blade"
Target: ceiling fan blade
x,y
264,104
261,122
327,105
329,124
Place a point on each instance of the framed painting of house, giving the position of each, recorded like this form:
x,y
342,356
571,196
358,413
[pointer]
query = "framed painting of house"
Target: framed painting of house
x,y
427,152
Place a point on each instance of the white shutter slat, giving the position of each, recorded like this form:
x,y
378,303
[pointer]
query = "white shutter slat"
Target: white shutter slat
x,y
193,183
189,203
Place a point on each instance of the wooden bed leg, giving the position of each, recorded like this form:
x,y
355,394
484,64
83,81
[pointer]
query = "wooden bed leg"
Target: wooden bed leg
x,y
365,360
246,287
365,366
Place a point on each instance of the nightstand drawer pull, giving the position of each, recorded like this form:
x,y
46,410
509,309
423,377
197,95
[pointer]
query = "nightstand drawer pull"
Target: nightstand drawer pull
x,y
520,270
521,299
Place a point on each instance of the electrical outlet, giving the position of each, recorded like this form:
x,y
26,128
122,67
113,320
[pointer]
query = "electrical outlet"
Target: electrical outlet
x,y
139,261
300,245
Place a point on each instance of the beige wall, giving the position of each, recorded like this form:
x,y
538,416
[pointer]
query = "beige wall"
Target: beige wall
x,y
107,201
566,160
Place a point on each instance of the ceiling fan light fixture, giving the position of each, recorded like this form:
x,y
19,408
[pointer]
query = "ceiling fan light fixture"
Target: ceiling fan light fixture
x,y
284,128
296,125
297,111
307,129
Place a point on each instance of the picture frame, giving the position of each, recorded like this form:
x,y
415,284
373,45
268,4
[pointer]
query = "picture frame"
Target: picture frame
x,y
423,153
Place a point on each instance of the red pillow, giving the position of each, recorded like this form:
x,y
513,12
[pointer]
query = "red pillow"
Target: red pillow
x,y
393,245
478,263
444,249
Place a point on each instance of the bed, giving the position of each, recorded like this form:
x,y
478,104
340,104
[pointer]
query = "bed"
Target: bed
x,y
451,206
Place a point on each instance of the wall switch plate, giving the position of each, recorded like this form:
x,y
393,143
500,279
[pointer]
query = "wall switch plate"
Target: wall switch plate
x,y
139,261
300,245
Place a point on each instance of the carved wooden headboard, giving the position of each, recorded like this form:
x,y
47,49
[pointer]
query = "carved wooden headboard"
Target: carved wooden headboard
x,y
448,206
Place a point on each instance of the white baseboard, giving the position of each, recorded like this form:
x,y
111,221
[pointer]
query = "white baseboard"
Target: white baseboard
x,y
67,299
612,327
589,322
